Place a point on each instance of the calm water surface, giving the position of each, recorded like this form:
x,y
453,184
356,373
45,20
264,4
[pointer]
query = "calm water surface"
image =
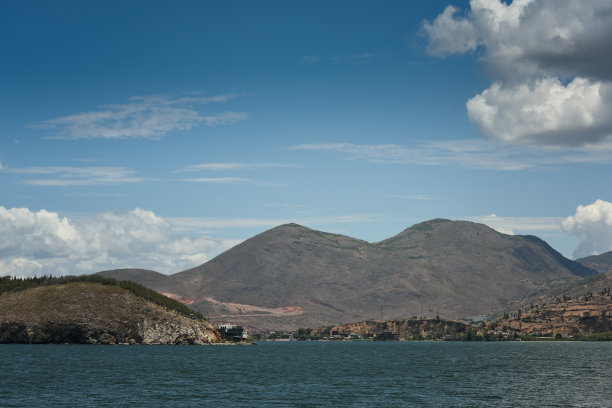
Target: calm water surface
x,y
311,374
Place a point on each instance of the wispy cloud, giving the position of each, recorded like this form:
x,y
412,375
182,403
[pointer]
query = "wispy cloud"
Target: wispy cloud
x,y
234,180
205,224
523,225
355,58
145,117
96,195
77,176
469,153
224,118
231,166
217,180
419,197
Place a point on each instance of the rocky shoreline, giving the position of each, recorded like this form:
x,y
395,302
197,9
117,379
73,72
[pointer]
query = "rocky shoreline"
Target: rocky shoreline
x,y
86,313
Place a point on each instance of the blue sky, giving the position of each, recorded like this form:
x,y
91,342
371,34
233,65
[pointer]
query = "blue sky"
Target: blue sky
x,y
157,135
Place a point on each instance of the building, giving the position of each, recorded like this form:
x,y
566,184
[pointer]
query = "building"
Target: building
x,y
232,332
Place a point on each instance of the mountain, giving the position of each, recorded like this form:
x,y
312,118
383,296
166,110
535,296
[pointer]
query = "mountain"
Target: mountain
x,y
145,277
292,276
601,263
85,311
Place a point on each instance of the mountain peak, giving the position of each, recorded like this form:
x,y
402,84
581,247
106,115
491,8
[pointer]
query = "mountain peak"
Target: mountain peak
x,y
293,276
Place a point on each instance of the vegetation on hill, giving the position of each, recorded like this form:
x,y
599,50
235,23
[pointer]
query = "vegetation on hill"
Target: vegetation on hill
x,y
11,284
89,311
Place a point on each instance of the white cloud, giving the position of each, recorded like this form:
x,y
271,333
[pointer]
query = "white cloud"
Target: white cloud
x,y
469,153
149,117
43,242
528,37
224,118
217,180
418,197
449,34
204,224
593,223
531,48
545,112
59,176
355,58
520,225
231,166
2,166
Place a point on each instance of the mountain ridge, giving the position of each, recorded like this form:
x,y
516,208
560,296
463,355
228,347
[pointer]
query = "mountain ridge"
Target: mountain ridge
x,y
455,269
601,263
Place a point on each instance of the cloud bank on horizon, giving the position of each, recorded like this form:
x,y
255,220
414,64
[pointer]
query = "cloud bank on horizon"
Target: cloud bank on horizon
x,y
593,223
550,62
36,243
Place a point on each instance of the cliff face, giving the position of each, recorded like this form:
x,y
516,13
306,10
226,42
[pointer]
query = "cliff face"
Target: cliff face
x,y
92,313
412,329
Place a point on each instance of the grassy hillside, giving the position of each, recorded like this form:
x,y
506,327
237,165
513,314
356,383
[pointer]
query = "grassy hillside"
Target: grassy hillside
x,y
78,310
10,285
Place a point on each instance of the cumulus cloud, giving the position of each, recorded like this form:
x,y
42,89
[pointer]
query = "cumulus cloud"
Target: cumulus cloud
x,y
43,242
545,111
148,117
556,55
593,223
529,37
520,225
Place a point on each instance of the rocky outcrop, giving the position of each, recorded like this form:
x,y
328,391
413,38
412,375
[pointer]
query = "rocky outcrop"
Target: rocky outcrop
x,y
89,313
410,329
177,332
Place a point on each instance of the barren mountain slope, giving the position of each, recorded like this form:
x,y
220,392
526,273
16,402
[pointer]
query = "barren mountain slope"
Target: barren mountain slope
x,y
601,263
293,276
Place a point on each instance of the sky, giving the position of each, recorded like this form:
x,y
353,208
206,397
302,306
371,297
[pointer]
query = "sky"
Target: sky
x,y
159,134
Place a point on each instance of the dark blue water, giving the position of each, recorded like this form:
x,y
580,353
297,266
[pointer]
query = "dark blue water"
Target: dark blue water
x,y
354,374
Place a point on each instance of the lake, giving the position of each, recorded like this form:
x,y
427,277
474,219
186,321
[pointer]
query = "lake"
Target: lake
x,y
309,374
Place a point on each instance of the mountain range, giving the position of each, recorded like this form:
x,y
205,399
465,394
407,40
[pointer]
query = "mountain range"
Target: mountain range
x,y
601,263
292,276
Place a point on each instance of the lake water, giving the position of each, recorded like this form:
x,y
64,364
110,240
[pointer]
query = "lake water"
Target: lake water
x,y
309,374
